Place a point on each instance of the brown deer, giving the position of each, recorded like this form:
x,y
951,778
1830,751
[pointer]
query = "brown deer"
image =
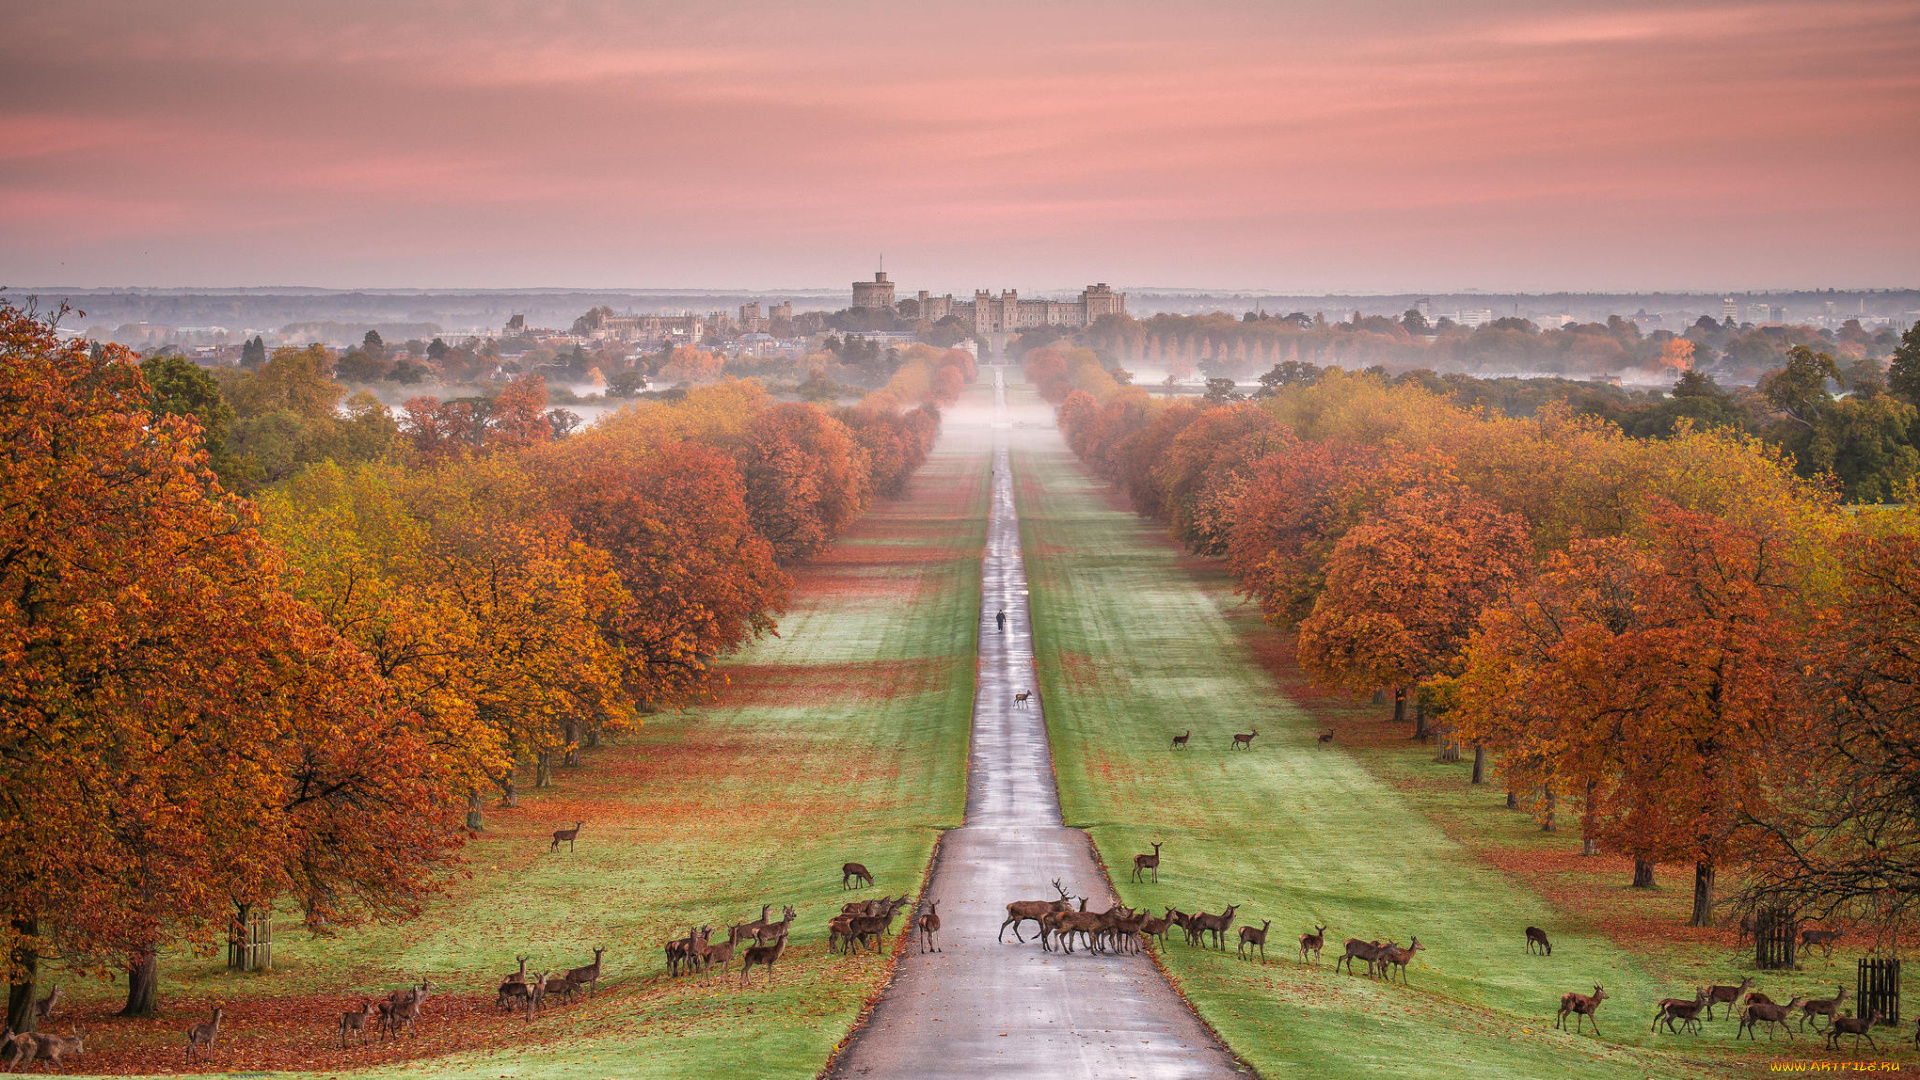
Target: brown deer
x,y
1727,994
1143,863
1856,1026
743,931
1324,737
508,993
1685,1010
1361,950
779,929
1156,926
565,836
854,873
1244,741
563,988
1824,939
354,1022
404,1009
1399,957
1022,910
763,956
929,927
45,1046
680,951
1313,943
1583,1007
24,1047
589,976
1180,741
1766,1012
43,1009
1020,699
1537,940
1256,938
202,1036
1217,925
536,995
1827,1007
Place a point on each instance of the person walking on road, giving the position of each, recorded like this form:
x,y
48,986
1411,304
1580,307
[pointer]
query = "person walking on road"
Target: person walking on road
x,y
1003,620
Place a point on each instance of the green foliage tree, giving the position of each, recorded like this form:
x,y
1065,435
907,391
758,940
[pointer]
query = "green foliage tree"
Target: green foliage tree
x,y
1903,374
178,387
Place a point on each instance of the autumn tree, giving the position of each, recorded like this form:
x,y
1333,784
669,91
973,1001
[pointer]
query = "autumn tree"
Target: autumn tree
x,y
806,478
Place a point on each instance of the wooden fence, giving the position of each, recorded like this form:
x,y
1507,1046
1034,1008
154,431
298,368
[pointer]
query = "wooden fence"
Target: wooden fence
x,y
1879,988
1775,934
250,943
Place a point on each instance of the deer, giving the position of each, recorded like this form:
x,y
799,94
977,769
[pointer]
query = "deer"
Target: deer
x,y
1399,958
763,956
354,1022
1685,1010
1256,938
680,951
1021,910
565,836
1363,950
929,927
1313,943
1537,941
1156,926
779,929
1825,939
1583,1007
43,1009
536,995
1324,737
18,1048
1217,925
855,873
1244,741
1727,994
1856,1026
1086,923
1020,699
706,953
589,975
1180,741
1766,1012
44,1046
509,984
202,1036
1143,863
1827,1007
743,931
405,1009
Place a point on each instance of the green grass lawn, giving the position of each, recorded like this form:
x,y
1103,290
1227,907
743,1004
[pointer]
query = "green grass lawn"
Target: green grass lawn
x,y
1137,643
845,738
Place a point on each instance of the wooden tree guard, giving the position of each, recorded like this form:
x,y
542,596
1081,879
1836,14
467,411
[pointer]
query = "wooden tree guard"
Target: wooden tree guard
x,y
250,944
1879,988
1774,939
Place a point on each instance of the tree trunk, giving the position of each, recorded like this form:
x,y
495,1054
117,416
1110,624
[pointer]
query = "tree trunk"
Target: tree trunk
x,y
593,736
1399,704
1479,764
476,815
543,769
1642,874
1589,846
26,962
573,743
1513,801
1547,824
509,789
1702,894
1420,729
143,985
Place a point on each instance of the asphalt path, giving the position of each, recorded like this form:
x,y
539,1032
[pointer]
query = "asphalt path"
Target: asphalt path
x,y
981,1007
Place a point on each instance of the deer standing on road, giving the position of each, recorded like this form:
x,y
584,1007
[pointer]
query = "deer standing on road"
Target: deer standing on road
x,y
565,836
1020,699
1021,910
1313,943
851,874
1583,1007
930,926
1537,941
1180,741
202,1036
1143,863
1244,741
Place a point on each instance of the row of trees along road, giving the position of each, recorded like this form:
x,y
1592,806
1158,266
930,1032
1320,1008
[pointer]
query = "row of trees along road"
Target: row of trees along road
x,y
1699,655
210,703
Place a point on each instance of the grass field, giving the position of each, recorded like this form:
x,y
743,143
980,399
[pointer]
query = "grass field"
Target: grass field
x,y
843,739
1137,643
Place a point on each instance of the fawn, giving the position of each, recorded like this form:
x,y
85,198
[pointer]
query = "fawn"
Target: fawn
x,y
354,1022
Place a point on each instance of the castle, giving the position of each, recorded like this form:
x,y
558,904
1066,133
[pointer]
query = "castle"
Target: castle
x,y
989,314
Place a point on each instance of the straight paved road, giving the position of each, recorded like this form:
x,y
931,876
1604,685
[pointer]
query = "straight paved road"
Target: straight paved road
x,y
981,1008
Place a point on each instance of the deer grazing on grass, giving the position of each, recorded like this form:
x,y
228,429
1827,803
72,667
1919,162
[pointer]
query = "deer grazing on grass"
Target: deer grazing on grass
x,y
1399,958
29,1047
43,1009
1143,863
1729,995
1022,910
1244,741
589,975
1217,925
565,836
1324,737
1313,943
851,874
354,1022
1180,741
1537,941
762,956
1856,1026
1583,1007
1256,938
1766,1012
1824,939
929,927
1020,699
1360,950
1685,1010
1827,1007
203,1036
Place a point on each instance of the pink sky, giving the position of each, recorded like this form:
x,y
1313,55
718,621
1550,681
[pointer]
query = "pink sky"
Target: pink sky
x,y
1359,145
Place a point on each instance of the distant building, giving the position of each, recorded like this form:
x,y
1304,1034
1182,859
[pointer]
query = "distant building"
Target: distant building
x,y
1477,317
1729,309
1005,313
877,293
